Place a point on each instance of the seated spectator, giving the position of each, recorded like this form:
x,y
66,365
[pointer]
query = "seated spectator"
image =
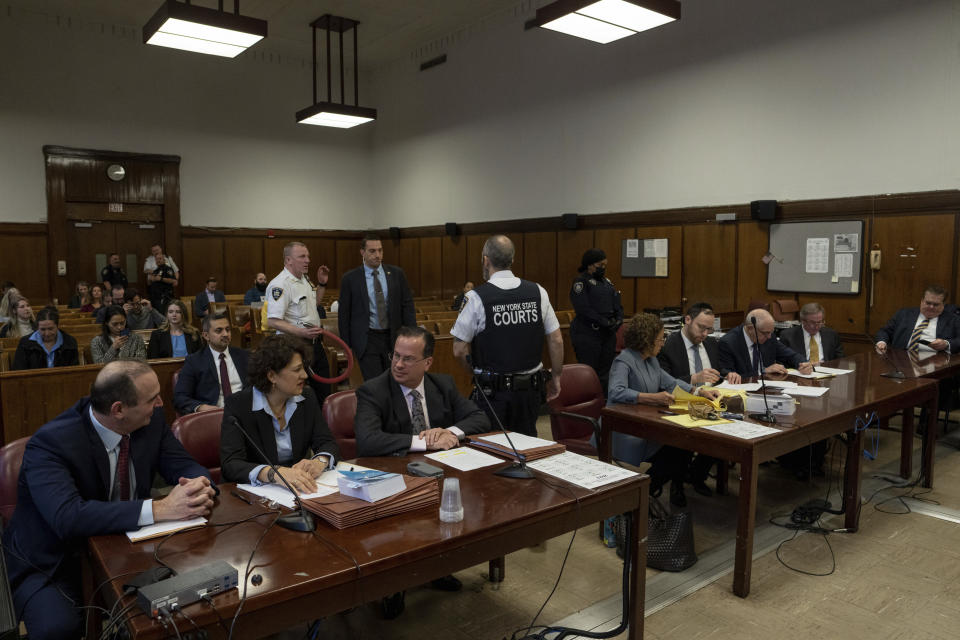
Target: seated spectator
x,y
96,299
258,291
461,297
81,296
161,281
201,303
6,303
47,346
211,375
116,342
140,313
116,298
22,322
175,338
298,440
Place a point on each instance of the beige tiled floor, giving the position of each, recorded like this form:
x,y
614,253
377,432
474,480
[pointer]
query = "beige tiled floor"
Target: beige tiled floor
x,y
897,578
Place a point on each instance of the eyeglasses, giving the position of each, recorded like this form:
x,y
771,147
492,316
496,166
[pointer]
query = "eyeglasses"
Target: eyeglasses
x,y
818,323
406,360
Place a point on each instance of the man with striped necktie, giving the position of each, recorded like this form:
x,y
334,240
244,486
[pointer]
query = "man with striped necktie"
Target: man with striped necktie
x,y
923,330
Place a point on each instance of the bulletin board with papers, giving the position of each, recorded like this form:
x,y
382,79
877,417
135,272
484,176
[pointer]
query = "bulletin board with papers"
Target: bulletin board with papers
x,y
815,257
645,258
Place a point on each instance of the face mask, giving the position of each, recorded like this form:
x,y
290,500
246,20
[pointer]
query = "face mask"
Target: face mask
x,y
599,273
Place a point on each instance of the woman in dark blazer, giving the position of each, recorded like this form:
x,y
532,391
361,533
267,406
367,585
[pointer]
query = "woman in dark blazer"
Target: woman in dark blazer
x,y
280,413
175,338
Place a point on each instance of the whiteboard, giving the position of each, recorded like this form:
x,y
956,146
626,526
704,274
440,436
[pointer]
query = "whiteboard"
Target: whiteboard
x,y
816,257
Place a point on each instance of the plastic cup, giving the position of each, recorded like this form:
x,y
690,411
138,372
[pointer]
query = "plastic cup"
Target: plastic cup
x,y
451,506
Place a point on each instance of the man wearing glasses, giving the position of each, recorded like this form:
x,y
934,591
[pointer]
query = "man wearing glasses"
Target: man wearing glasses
x,y
407,409
922,330
812,337
744,348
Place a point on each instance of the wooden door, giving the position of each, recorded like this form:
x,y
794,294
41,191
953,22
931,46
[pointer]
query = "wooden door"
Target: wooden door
x,y
133,242
915,252
92,242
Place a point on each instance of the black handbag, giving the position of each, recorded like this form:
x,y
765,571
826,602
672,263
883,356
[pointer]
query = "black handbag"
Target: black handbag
x,y
669,538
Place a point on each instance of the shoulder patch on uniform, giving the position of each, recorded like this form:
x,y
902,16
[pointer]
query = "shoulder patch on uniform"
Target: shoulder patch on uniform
x,y
593,282
578,287
276,292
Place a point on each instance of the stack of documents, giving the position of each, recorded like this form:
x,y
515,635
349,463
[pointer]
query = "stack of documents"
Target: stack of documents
x,y
370,485
343,511
530,448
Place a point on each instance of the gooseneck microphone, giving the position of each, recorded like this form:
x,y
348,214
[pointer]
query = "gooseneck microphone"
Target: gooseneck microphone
x,y
766,416
300,520
896,374
516,469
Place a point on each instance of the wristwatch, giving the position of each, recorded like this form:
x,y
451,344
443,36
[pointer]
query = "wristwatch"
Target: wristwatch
x,y
271,474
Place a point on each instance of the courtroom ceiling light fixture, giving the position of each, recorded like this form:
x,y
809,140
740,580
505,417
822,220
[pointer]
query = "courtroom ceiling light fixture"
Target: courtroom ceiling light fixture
x,y
330,113
181,25
604,21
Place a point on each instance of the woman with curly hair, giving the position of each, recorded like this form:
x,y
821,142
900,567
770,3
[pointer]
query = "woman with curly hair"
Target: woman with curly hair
x,y
281,414
636,378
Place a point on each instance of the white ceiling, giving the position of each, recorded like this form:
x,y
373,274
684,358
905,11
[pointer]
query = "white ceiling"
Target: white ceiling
x,y
389,29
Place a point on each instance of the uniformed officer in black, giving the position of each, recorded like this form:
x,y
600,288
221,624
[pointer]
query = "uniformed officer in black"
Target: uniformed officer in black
x,y
599,314
499,337
112,274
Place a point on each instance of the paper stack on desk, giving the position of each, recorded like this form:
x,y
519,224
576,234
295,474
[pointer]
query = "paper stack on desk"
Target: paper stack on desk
x,y
370,485
530,448
343,511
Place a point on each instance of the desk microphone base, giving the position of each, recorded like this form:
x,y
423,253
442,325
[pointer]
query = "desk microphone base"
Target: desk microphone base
x,y
896,375
515,470
763,417
298,521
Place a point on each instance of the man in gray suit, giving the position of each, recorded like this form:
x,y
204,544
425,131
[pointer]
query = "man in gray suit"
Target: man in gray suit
x,y
812,338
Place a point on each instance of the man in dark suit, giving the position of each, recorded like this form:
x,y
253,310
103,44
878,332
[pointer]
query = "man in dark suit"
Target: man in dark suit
x,y
201,385
812,338
375,301
744,348
391,417
690,355
407,409
210,293
911,327
89,472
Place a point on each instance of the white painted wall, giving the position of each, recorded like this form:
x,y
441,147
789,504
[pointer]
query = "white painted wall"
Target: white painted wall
x,y
244,161
740,100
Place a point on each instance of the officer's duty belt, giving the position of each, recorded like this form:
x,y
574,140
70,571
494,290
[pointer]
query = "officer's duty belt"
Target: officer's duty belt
x,y
492,382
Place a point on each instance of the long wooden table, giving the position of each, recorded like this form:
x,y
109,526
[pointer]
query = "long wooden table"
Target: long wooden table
x,y
850,396
305,576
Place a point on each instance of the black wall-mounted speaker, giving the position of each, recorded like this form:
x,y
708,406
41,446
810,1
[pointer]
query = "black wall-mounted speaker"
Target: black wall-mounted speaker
x,y
570,221
763,209
395,233
451,229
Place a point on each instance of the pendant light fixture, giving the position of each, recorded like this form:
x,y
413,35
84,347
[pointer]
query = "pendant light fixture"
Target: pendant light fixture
x,y
604,21
181,25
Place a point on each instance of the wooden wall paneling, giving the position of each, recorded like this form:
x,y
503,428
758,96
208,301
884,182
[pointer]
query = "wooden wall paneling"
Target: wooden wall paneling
x,y
842,313
136,239
87,181
324,251
663,292
454,271
610,240
172,241
475,259
57,231
709,264
273,256
243,259
914,250
348,256
431,267
25,263
405,253
570,248
540,261
519,267
202,258
753,241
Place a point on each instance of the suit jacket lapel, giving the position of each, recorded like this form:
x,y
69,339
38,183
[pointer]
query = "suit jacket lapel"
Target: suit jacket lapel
x,y
399,407
100,459
268,441
683,362
435,406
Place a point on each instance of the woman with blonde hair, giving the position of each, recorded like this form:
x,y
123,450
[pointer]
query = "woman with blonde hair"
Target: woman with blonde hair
x,y
94,299
22,321
6,303
175,338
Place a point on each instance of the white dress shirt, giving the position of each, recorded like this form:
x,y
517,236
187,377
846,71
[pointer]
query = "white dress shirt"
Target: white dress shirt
x,y
236,384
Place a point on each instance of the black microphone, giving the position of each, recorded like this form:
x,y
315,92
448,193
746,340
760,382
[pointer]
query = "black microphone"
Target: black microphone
x,y
896,374
301,520
516,469
767,416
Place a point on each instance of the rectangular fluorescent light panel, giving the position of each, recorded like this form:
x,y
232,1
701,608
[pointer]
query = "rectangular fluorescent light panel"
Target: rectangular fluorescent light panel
x,y
339,120
608,20
202,30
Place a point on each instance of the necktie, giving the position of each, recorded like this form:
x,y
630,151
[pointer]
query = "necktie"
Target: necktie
x,y
380,300
914,344
417,419
697,360
224,378
756,358
814,350
122,478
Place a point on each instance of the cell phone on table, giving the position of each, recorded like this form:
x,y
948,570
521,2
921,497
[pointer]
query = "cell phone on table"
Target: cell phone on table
x,y
424,470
